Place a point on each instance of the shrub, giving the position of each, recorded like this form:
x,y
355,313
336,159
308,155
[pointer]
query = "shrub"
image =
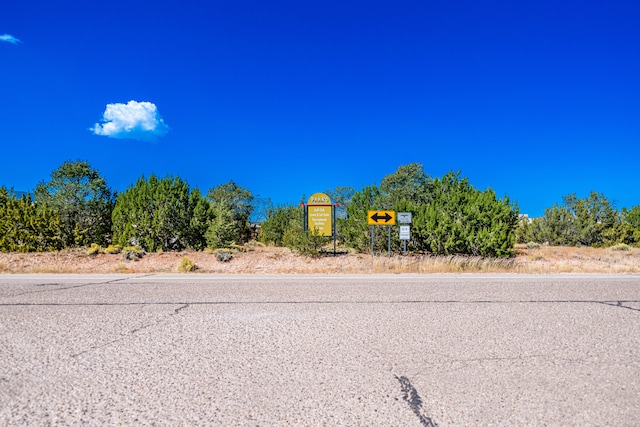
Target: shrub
x,y
621,247
307,243
132,253
187,265
278,221
156,214
113,249
223,255
533,245
95,249
238,248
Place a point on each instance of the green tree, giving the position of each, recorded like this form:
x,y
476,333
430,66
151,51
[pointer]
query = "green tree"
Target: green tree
x,y
523,230
555,227
357,232
201,218
621,232
463,220
579,221
83,200
409,186
26,226
279,220
408,182
592,216
304,242
223,230
632,216
240,201
157,214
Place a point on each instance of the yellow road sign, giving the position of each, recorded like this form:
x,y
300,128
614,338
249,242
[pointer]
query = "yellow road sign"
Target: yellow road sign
x,y
319,214
381,217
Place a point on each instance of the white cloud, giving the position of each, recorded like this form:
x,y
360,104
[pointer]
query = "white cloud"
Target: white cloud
x,y
134,120
9,39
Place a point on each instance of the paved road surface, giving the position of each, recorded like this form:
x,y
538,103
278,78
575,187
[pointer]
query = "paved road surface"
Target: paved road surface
x,y
393,350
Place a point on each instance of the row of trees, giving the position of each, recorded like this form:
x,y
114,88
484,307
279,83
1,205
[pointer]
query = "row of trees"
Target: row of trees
x,y
590,221
76,208
449,216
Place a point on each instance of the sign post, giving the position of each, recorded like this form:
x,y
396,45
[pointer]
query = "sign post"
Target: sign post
x,y
377,217
405,230
405,234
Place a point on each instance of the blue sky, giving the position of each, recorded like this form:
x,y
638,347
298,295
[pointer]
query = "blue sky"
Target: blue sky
x,y
535,99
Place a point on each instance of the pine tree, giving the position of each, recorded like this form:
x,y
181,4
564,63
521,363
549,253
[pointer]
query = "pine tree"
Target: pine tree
x,y
157,214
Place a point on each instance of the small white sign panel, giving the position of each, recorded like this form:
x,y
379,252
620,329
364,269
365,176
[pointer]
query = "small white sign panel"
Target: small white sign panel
x,y
405,232
404,217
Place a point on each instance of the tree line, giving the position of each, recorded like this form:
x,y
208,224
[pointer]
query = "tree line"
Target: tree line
x,y
76,208
589,221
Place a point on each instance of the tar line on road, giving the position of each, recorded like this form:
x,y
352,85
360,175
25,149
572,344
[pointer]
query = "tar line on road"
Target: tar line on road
x,y
611,303
411,396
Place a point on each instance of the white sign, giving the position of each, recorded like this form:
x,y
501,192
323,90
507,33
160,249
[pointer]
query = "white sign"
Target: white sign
x,y
405,232
404,217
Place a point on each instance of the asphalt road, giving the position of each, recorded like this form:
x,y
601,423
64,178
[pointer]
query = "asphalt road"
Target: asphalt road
x,y
392,350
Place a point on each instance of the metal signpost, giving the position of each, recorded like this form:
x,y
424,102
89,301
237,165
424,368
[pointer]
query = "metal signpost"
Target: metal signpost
x,y
405,234
387,218
405,230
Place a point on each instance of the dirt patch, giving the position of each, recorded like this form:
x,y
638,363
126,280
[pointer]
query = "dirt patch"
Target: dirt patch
x,y
269,260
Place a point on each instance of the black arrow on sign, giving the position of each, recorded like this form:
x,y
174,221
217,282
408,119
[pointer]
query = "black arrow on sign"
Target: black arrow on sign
x,y
377,217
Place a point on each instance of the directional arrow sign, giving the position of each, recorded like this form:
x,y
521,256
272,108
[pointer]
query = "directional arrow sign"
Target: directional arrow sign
x,y
381,217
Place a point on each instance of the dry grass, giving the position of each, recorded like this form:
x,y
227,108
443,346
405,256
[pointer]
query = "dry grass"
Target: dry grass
x,y
554,259
269,260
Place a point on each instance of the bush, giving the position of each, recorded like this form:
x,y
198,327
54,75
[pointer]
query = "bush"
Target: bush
x,y
621,247
462,220
187,265
223,255
533,245
304,242
95,249
156,214
132,253
279,220
113,249
26,226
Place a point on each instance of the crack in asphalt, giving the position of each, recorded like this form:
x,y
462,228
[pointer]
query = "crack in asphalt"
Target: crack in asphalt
x,y
133,331
56,288
411,396
617,304
620,304
179,309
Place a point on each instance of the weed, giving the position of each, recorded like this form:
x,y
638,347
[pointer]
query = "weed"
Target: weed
x,y
113,249
187,264
95,249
